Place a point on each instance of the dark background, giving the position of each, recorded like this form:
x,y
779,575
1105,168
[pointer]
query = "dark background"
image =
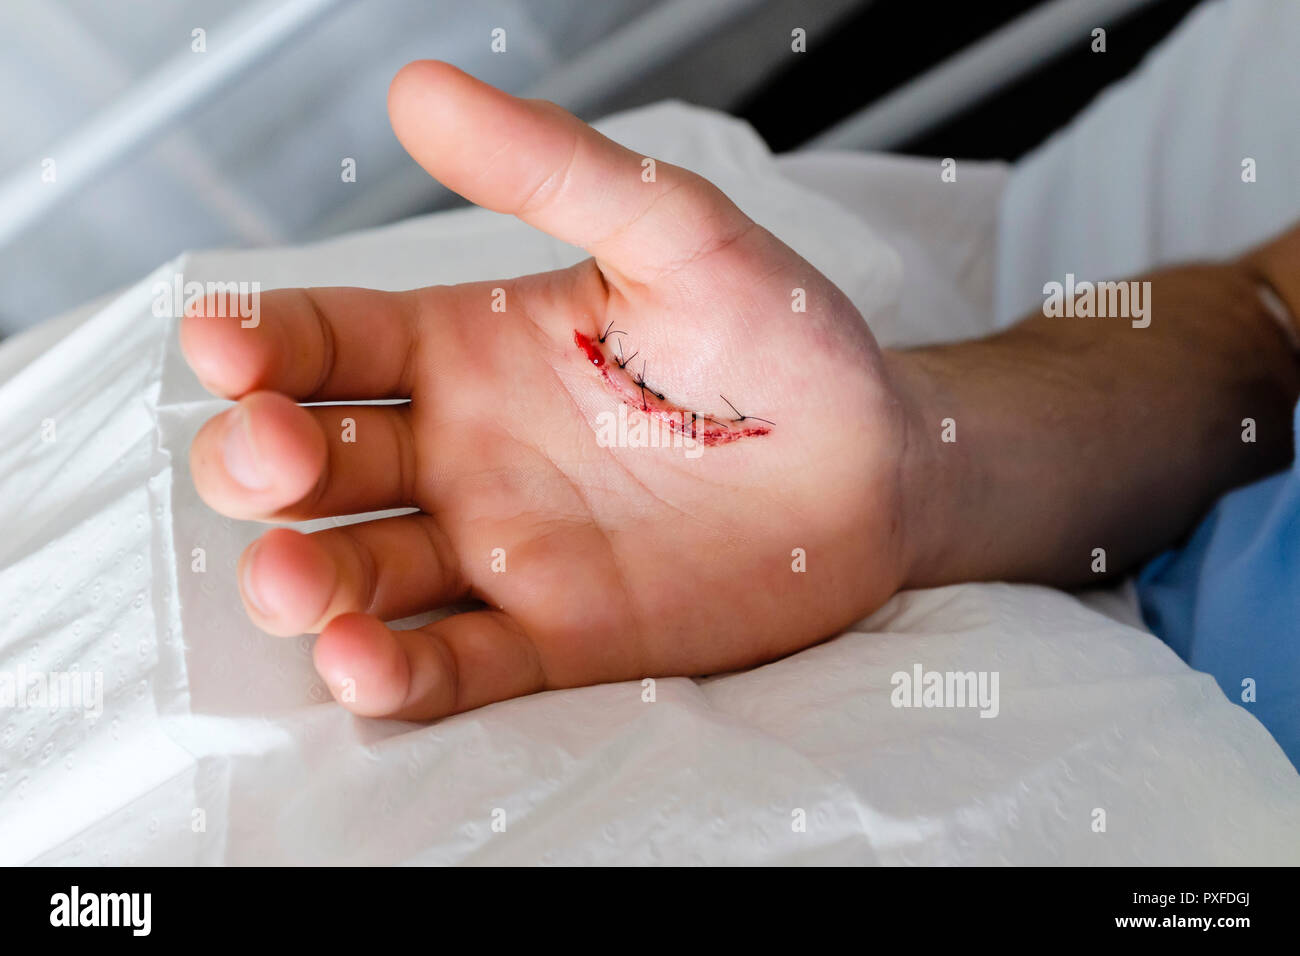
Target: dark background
x,y
881,47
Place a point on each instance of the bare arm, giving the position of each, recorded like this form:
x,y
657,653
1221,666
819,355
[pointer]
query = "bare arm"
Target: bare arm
x,y
1081,433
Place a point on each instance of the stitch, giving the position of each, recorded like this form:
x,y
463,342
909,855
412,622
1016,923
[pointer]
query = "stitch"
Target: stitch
x,y
622,362
607,333
676,418
643,384
640,380
743,418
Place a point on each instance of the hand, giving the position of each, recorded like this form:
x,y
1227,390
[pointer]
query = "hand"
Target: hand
x,y
595,563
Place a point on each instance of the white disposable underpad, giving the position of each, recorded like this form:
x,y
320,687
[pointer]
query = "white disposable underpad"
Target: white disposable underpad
x,y
218,745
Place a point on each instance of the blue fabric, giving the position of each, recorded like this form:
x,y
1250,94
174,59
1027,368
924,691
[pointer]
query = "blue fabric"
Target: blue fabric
x,y
1228,601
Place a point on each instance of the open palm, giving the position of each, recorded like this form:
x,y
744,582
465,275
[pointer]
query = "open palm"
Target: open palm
x,y
652,463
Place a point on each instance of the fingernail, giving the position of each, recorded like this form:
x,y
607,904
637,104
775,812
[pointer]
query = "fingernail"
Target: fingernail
x,y
249,580
237,453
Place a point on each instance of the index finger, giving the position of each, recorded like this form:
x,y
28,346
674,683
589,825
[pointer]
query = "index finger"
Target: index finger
x,y
327,344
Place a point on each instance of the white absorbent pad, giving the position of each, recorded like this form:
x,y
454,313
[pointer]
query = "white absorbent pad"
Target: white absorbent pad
x,y
217,744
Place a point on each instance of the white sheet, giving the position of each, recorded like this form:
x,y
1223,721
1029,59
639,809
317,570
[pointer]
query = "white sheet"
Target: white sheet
x,y
209,722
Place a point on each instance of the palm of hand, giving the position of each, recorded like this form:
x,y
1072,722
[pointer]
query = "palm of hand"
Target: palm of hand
x,y
601,552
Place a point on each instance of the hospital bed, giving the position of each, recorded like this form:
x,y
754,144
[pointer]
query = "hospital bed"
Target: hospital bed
x,y
218,745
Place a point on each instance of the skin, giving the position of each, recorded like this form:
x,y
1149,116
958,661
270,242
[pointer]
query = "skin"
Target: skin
x,y
628,562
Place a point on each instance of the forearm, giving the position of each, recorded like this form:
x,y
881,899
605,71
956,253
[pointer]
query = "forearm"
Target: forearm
x,y
1073,434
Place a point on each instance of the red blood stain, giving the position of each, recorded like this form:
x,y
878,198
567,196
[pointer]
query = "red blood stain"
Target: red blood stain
x,y
705,429
589,347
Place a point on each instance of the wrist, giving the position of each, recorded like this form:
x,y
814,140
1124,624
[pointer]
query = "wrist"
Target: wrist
x,y
1275,269
937,481
1025,452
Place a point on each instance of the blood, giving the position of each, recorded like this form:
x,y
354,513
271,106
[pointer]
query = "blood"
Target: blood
x,y
678,419
590,348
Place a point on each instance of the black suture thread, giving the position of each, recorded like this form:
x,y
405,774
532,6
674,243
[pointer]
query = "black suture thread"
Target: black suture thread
x,y
607,333
640,382
740,417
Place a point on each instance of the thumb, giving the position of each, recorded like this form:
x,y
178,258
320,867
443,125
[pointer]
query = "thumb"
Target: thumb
x,y
536,161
